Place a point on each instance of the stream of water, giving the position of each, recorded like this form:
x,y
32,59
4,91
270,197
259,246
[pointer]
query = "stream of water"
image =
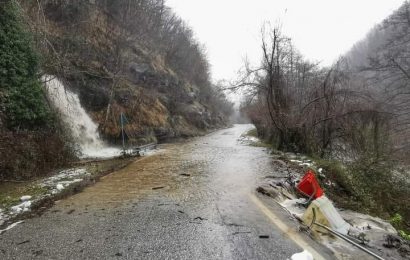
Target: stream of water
x,y
83,129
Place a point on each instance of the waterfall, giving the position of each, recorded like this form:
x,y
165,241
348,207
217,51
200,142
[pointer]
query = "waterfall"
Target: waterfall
x,y
83,130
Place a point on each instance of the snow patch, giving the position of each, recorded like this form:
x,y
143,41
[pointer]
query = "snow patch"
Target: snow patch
x,y
247,140
25,198
57,183
65,175
22,207
54,184
60,187
306,164
305,255
302,162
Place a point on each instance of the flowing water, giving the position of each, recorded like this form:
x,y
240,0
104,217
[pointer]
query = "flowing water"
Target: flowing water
x,y
191,200
83,129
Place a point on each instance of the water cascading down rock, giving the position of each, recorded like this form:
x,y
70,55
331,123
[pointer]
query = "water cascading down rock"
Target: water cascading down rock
x,y
83,130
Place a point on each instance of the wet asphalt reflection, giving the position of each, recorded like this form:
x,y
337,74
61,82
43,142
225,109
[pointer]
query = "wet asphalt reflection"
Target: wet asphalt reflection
x,y
190,200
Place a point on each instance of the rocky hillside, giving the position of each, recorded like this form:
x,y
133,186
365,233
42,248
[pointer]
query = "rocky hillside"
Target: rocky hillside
x,y
131,57
134,57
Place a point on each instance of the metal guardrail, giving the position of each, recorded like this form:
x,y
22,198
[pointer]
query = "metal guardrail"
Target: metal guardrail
x,y
137,150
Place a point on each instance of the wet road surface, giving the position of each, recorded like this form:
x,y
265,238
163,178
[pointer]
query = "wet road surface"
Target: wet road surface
x,y
191,200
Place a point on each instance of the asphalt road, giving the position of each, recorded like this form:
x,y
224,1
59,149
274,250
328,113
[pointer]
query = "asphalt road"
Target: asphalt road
x,y
190,200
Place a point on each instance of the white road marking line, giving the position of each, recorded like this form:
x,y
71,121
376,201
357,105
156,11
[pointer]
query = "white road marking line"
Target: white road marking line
x,y
11,226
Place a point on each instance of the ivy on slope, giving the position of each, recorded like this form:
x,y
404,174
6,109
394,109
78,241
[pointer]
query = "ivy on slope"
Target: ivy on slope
x,y
23,99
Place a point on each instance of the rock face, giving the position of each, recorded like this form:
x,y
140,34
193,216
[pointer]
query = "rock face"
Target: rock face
x,y
115,70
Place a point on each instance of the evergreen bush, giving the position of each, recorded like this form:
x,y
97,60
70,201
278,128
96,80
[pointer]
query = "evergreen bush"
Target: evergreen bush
x,y
24,102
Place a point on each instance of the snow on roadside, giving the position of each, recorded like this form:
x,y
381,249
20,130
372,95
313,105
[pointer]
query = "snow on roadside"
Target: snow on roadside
x,y
25,198
65,175
303,162
248,140
64,179
53,185
22,207
305,255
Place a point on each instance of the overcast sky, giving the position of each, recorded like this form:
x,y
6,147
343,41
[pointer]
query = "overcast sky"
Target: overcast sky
x,y
321,30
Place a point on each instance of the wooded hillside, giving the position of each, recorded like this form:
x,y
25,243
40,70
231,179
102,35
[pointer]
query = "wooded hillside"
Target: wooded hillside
x,y
353,117
134,57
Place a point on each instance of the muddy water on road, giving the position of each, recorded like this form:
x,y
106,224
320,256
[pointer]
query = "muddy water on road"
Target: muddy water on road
x,y
191,200
216,163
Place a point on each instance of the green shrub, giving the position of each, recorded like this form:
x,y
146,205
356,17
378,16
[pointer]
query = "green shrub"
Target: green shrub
x,y
404,235
398,222
25,105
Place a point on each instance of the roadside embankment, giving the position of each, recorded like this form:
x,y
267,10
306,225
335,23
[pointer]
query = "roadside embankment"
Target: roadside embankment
x,y
369,231
20,200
